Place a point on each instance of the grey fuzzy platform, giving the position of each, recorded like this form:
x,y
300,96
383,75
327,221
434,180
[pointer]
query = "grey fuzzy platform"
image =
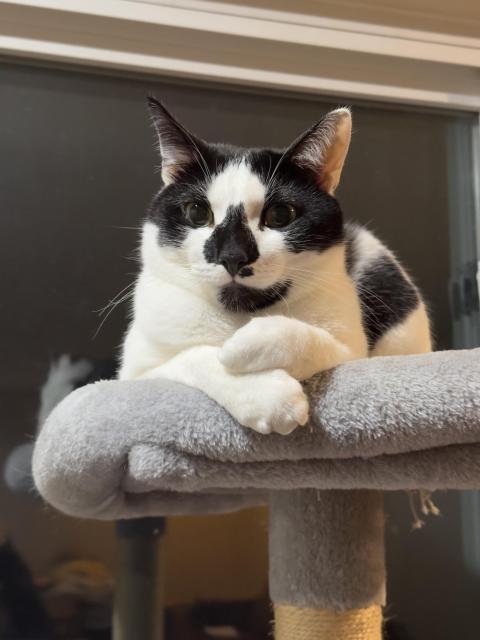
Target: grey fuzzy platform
x,y
134,448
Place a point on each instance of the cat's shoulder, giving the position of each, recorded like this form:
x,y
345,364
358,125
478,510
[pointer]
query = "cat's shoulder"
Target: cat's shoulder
x,y
386,291
363,248
366,253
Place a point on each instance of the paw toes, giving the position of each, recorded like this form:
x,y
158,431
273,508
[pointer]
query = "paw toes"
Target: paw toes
x,y
227,358
232,358
262,426
286,427
302,411
294,414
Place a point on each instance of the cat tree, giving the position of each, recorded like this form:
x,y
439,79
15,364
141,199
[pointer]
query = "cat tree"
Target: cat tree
x,y
132,449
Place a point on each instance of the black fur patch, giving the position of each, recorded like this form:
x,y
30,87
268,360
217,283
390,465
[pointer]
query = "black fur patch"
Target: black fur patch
x,y
238,298
319,221
386,297
166,209
350,232
232,240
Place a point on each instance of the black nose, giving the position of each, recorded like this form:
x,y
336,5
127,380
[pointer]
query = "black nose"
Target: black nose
x,y
233,262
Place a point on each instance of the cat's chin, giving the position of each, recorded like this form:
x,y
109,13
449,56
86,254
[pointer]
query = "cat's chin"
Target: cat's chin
x,y
241,299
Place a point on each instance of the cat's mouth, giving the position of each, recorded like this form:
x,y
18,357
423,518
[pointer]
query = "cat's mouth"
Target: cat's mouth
x,y
246,272
239,298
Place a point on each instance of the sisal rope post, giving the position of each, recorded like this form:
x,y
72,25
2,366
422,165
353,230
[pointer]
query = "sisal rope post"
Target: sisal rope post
x,y
297,623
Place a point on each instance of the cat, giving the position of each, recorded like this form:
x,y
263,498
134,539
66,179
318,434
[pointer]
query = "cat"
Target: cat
x,y
251,281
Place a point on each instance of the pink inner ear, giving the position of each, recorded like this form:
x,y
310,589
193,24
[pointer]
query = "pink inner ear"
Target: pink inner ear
x,y
324,147
336,153
173,162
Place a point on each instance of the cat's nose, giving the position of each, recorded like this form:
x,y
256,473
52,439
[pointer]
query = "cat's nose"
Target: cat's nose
x,y
233,262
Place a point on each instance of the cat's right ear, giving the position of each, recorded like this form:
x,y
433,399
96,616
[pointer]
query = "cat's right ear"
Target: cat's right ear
x,y
178,147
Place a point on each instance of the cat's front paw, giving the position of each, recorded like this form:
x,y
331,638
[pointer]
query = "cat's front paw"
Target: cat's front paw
x,y
271,402
262,344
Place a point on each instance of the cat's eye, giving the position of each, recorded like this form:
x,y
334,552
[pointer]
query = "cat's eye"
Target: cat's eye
x,y
198,214
280,215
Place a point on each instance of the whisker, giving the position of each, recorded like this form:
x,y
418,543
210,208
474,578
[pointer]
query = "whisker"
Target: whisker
x,y
127,296
113,300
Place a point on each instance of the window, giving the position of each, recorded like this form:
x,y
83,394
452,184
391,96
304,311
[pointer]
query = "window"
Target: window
x,y
77,174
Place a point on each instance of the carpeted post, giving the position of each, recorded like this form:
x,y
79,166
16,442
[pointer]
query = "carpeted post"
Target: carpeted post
x,y
327,571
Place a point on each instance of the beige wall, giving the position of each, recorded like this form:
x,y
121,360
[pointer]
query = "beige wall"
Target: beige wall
x,y
219,557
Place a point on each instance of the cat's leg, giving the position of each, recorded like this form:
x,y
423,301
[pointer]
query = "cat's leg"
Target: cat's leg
x,y
278,342
267,401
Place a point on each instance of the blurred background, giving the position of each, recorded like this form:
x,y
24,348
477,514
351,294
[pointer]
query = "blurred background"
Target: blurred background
x,y
77,170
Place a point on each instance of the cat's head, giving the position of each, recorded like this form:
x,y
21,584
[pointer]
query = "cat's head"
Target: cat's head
x,y
246,225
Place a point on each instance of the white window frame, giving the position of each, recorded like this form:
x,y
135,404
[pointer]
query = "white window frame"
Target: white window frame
x,y
113,33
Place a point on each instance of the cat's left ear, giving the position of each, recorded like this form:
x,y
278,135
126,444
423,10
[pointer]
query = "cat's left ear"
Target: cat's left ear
x,y
323,148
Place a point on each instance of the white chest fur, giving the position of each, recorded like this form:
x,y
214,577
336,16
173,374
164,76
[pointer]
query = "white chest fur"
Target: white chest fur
x,y
174,312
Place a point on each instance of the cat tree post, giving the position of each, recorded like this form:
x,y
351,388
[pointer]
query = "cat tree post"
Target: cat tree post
x,y
327,570
139,598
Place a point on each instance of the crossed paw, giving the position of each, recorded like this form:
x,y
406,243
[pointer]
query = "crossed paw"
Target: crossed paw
x,y
268,399
259,345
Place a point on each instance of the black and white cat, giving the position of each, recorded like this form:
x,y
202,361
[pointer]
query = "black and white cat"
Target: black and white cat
x,y
251,281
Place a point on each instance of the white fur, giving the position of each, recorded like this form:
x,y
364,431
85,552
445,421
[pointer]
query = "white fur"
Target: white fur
x,y
368,248
236,184
408,337
248,363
